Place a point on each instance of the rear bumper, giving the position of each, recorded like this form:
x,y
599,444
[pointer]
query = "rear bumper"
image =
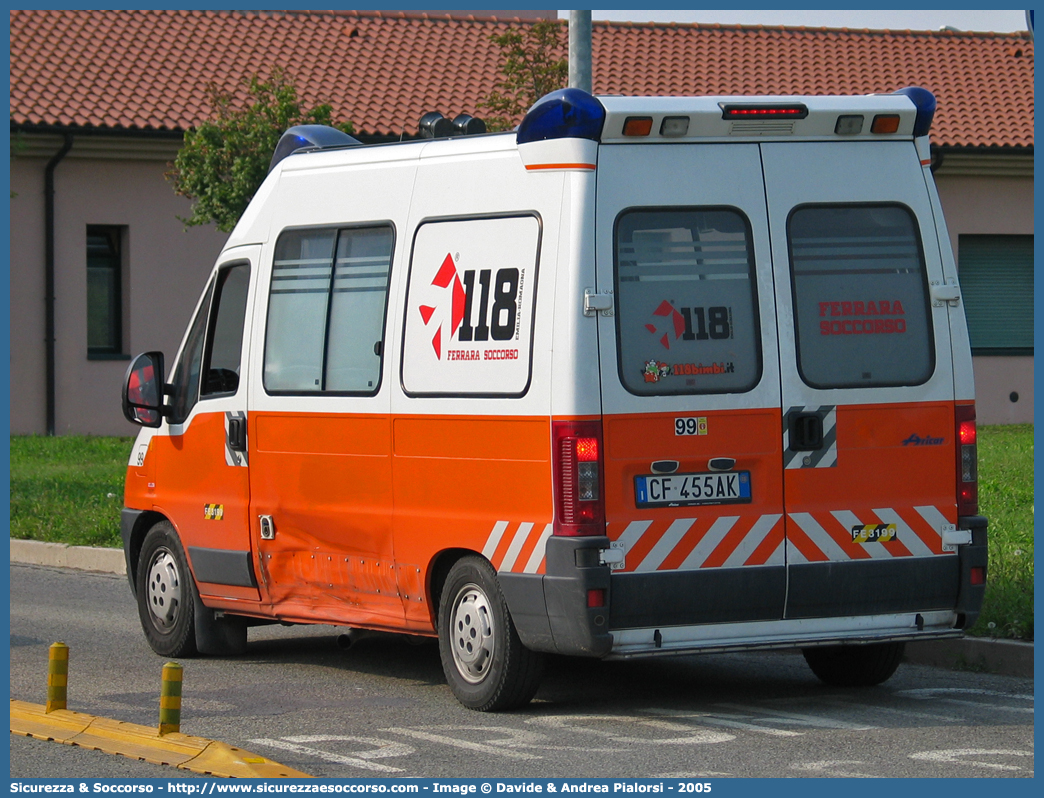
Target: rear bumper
x,y
972,555
794,633
551,611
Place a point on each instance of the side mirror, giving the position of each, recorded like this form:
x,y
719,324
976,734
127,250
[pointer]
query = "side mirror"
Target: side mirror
x,y
143,390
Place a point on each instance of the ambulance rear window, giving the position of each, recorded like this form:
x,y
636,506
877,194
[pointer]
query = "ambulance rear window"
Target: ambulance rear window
x,y
860,296
687,319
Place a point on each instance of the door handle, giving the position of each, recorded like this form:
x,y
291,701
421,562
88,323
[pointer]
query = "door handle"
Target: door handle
x,y
806,431
237,438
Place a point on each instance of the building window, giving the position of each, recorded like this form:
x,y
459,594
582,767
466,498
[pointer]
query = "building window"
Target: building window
x,y
996,274
104,291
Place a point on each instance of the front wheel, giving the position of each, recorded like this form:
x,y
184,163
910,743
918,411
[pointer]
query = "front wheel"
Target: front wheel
x,y
486,665
165,597
854,666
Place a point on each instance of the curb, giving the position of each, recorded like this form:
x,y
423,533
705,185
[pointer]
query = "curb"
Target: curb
x,y
62,555
1003,657
183,751
989,655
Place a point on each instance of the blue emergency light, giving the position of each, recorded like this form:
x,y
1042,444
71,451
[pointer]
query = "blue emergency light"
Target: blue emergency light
x,y
563,114
925,102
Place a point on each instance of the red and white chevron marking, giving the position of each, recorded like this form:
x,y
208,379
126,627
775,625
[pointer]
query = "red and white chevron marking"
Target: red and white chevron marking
x,y
691,543
827,536
520,550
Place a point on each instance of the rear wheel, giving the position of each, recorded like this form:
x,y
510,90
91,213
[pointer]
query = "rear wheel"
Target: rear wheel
x,y
165,595
486,665
854,666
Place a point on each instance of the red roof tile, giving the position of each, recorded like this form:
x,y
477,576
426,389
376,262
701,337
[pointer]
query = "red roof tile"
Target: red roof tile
x,y
150,69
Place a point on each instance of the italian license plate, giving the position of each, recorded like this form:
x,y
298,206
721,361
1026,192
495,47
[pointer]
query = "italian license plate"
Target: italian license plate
x,y
684,490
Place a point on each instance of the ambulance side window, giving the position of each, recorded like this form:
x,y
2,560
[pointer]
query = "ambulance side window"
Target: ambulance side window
x,y
860,296
225,339
687,320
360,288
297,308
326,310
186,373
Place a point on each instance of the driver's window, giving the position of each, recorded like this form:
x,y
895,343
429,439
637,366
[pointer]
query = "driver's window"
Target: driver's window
x,y
225,337
186,373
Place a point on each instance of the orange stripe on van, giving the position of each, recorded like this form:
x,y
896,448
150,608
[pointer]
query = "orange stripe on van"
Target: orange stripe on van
x,y
536,166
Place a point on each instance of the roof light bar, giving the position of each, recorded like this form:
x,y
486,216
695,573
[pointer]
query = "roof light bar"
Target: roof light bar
x,y
924,100
563,114
763,111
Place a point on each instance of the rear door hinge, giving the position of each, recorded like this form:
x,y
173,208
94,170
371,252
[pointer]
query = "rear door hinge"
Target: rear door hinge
x,y
945,295
613,556
597,303
952,537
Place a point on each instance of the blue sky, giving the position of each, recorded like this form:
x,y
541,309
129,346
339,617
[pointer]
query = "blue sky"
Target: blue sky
x,y
933,19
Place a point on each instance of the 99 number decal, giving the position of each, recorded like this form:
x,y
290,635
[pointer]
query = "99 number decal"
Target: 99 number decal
x,y
690,426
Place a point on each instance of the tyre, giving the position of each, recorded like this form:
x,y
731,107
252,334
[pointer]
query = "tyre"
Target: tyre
x,y
486,665
854,666
165,593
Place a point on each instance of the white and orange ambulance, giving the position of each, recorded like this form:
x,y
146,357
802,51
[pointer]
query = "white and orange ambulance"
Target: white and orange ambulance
x,y
645,376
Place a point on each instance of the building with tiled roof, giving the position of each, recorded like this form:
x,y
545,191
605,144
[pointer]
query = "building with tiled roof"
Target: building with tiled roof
x,y
148,71
120,88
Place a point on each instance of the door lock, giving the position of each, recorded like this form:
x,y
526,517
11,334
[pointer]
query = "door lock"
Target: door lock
x,y
267,527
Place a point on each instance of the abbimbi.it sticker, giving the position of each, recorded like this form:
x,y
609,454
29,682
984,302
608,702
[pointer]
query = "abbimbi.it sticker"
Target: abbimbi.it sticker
x,y
469,308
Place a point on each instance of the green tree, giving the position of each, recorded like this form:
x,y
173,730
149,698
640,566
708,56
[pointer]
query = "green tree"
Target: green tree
x,y
224,161
533,65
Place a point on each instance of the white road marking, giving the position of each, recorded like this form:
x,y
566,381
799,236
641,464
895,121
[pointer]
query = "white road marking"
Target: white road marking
x,y
834,768
728,720
956,756
799,719
360,759
876,710
691,737
466,744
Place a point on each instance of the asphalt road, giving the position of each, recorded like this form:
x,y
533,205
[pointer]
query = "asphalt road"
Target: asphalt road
x,y
382,707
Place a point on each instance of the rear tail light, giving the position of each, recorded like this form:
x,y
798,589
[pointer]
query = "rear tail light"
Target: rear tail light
x,y
967,461
977,576
579,507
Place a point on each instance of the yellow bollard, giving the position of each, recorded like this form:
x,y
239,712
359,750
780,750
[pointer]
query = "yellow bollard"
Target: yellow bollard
x,y
170,699
57,676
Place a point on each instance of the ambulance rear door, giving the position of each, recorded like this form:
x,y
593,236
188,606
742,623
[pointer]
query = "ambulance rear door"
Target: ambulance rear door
x,y
690,389
867,380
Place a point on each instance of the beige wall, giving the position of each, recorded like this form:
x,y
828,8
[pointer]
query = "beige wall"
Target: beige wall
x,y
165,268
976,201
